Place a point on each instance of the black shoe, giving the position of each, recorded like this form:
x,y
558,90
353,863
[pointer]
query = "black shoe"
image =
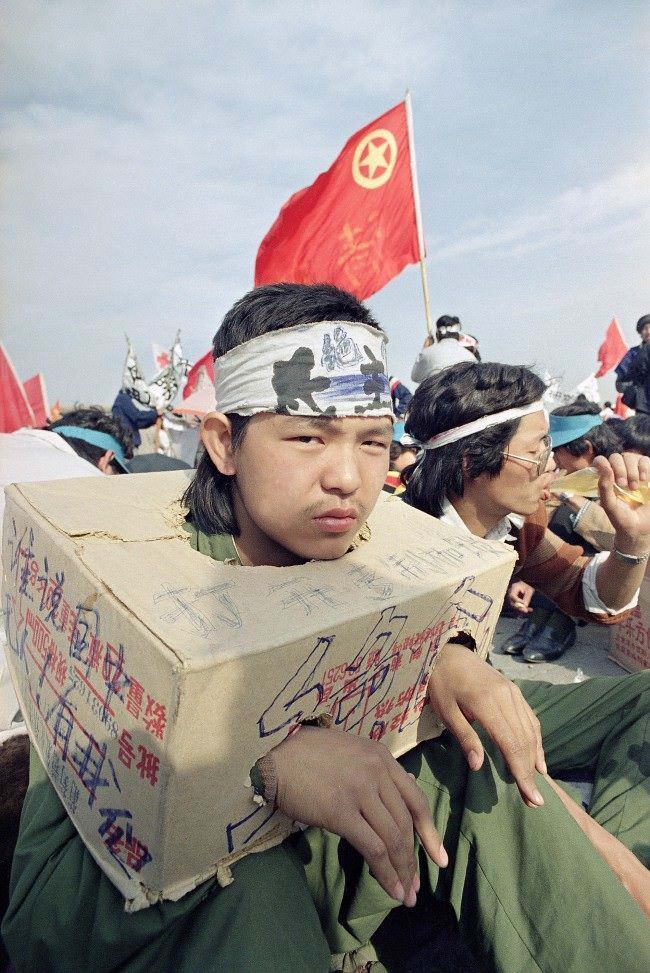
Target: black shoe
x,y
552,640
515,643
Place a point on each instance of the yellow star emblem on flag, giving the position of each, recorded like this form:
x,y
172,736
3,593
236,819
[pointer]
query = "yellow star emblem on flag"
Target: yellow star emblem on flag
x,y
374,159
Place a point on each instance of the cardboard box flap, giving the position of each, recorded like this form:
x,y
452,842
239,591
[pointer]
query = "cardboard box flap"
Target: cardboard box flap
x,y
209,612
128,508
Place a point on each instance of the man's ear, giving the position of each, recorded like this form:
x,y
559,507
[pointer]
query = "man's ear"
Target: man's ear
x,y
104,462
590,453
216,435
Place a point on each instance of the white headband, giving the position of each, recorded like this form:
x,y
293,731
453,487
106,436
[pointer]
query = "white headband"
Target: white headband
x,y
335,368
478,425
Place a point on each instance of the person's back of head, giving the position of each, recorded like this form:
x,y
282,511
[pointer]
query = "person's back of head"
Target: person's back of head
x,y
634,434
581,406
643,322
96,436
593,437
447,326
265,309
454,397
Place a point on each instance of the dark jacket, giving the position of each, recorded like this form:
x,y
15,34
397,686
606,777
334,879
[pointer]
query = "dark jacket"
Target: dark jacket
x,y
133,416
633,378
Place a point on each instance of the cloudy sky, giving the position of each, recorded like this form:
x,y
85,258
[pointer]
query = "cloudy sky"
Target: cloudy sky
x,y
147,147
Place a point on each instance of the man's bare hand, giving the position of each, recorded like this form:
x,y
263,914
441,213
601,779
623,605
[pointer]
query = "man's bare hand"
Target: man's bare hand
x,y
519,596
355,788
464,689
628,471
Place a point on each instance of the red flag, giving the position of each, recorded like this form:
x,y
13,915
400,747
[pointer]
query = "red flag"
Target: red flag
x,y
355,225
15,410
622,410
612,349
37,397
200,374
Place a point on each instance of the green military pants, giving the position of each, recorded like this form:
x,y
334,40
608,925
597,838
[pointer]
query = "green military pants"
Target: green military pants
x,y
529,890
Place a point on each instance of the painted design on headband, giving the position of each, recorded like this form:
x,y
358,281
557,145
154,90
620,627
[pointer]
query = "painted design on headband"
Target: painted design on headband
x,y
329,368
292,383
339,350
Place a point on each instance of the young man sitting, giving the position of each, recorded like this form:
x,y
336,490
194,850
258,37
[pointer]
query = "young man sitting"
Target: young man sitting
x,y
294,463
486,467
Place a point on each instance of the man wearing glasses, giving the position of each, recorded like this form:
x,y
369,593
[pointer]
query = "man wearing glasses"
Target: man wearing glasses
x,y
486,468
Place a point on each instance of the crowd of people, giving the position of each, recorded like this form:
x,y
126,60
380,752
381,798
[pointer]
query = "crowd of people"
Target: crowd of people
x,y
463,853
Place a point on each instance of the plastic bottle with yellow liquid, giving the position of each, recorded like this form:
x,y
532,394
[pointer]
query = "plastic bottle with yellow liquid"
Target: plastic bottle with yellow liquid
x,y
584,483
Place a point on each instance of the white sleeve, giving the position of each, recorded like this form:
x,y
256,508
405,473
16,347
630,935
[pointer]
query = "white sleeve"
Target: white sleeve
x,y
592,600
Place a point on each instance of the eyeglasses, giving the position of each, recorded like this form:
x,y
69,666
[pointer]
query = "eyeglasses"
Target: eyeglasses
x,y
542,462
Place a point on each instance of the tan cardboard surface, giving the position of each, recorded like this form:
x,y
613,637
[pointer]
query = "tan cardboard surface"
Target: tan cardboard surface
x,y
152,678
630,641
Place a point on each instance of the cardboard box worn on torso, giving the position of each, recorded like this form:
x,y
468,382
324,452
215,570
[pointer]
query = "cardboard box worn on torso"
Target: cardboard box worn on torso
x,y
630,639
152,677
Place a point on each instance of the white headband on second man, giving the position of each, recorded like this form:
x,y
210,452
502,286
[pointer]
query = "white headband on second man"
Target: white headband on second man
x,y
478,425
335,368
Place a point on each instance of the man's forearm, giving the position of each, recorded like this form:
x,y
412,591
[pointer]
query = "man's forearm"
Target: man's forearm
x,y
618,580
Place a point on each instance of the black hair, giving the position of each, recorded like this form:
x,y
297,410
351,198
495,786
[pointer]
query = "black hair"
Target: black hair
x,y
95,418
634,433
447,321
602,438
272,307
641,323
452,397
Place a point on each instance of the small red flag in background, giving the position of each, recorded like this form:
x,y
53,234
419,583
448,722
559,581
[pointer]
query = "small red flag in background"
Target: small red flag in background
x,y
15,411
200,374
612,349
355,225
37,397
622,410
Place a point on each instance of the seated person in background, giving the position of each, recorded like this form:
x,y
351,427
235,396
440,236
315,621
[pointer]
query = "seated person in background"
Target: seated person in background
x,y
446,350
403,452
578,435
486,468
634,434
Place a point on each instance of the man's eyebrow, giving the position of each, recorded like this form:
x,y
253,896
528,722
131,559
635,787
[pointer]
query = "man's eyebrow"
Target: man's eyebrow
x,y
374,429
377,430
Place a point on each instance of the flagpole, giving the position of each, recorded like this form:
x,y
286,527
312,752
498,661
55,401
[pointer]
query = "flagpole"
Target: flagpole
x,y
418,213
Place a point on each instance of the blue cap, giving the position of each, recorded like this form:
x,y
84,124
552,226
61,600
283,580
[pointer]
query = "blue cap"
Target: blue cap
x,y
398,431
564,429
96,438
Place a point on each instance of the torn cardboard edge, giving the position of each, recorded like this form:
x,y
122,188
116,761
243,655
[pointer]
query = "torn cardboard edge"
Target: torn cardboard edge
x,y
108,497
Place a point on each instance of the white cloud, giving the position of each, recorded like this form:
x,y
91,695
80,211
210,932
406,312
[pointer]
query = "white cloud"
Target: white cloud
x,y
573,214
147,147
